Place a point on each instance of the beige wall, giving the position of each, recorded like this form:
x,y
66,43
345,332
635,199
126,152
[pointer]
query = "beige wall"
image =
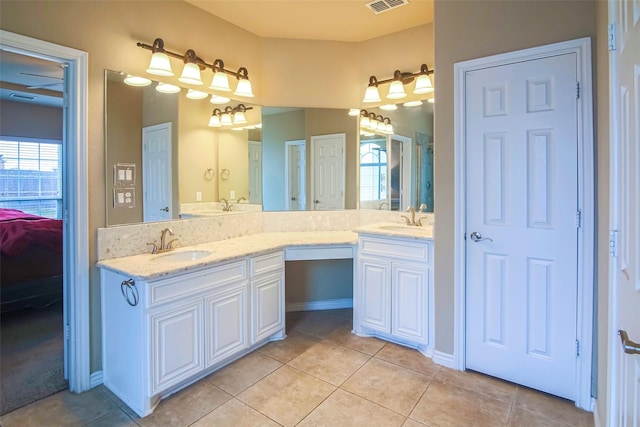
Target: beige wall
x,y
20,119
233,155
505,26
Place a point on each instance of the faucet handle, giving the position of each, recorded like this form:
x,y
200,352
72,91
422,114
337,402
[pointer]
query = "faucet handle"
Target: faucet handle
x,y
154,250
170,244
423,207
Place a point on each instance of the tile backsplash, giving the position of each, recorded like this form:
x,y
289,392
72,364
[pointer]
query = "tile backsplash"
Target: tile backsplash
x,y
127,240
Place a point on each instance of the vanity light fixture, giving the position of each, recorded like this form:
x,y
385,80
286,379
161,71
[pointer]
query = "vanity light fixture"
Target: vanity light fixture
x,y
423,84
431,100
389,107
160,65
354,112
167,88
196,94
217,99
132,80
229,116
372,123
214,121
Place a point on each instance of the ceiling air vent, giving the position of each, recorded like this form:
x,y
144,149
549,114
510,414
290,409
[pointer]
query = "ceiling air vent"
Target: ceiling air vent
x,y
24,97
379,6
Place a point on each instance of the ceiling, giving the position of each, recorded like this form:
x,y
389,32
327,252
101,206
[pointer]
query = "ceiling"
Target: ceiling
x,y
29,79
334,20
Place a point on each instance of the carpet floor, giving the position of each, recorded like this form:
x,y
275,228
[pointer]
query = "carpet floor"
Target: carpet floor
x,y
31,355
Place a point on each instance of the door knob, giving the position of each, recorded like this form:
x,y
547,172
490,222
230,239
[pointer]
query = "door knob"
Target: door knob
x,y
293,198
629,346
477,237
316,201
166,209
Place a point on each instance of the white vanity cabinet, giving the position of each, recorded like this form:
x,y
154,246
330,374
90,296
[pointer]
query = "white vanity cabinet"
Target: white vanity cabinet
x,y
393,292
163,334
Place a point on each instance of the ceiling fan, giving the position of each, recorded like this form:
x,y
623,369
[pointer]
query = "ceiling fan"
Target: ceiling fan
x,y
46,85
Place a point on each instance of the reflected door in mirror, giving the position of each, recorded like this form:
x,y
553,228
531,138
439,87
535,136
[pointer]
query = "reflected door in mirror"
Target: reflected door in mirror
x,y
156,177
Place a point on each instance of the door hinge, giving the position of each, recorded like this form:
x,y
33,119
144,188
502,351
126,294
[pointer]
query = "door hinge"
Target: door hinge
x,y
613,243
577,348
577,90
578,219
65,216
612,36
67,332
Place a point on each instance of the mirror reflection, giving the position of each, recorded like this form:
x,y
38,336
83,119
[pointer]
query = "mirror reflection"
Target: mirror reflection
x,y
164,160
396,170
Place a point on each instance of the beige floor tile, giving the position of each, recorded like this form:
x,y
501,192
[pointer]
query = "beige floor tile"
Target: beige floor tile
x,y
489,386
388,385
343,409
315,323
447,405
184,407
235,413
345,313
115,418
552,408
243,373
408,358
412,423
62,409
284,350
286,395
346,338
329,362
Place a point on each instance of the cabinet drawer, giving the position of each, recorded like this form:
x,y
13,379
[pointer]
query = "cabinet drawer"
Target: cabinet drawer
x,y
167,289
267,263
402,249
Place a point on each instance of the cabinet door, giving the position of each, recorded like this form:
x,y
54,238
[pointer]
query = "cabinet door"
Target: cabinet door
x,y
410,304
267,305
176,349
375,285
226,323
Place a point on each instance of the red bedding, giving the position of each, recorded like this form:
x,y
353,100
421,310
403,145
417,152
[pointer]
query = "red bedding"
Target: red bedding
x,y
19,231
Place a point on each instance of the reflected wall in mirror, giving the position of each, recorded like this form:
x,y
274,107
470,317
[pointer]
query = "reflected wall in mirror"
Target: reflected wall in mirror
x,y
396,171
309,159
179,165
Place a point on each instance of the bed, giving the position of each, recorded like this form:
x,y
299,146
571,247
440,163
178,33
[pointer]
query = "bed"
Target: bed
x,y
30,260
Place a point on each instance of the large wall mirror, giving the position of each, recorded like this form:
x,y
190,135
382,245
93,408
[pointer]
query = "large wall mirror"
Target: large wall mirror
x,y
164,161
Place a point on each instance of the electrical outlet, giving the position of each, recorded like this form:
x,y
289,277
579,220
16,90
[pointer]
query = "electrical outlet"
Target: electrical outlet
x,y
198,196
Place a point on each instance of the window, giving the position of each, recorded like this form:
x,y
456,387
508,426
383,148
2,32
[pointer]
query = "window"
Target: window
x,y
31,176
373,172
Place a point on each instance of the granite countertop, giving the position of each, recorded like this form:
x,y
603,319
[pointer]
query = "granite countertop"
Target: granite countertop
x,y
155,266
151,267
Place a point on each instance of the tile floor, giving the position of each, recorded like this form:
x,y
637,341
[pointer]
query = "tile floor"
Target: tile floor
x,y
321,375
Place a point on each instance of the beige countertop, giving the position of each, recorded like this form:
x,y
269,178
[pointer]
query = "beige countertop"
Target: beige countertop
x,y
155,266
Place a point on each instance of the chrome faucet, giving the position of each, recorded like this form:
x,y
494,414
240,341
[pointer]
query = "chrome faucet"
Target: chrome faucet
x,y
164,247
413,221
241,199
226,207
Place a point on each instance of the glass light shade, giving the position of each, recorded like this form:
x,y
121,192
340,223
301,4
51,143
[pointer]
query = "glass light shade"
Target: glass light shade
x,y
365,133
217,99
160,65
196,94
136,81
239,118
191,74
220,81
214,121
372,94
423,84
225,120
389,107
431,100
388,128
354,112
415,103
240,128
167,88
250,127
244,88
258,125
396,90
364,122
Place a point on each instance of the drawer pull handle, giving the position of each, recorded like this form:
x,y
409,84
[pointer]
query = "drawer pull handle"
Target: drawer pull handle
x,y
130,292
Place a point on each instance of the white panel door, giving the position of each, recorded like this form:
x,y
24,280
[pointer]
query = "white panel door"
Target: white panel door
x,y
375,283
268,306
624,367
226,323
176,345
156,173
521,230
296,164
409,302
328,171
255,172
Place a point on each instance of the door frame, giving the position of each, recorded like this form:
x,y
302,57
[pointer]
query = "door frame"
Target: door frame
x,y
586,202
312,192
287,165
75,200
406,183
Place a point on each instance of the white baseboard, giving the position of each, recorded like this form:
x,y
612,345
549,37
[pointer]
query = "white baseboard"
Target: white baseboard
x,y
96,379
444,359
329,304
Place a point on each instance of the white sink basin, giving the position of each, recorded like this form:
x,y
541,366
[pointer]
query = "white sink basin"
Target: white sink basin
x,y
182,256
